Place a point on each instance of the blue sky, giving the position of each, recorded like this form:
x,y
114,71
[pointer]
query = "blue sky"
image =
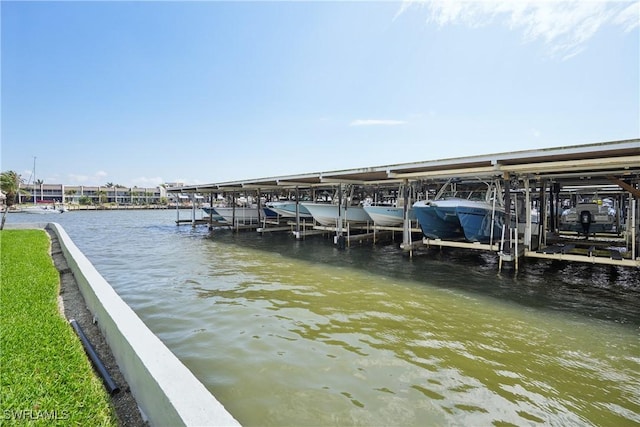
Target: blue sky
x,y
140,93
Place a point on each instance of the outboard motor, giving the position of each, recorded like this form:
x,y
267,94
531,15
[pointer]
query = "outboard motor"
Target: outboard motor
x,y
585,220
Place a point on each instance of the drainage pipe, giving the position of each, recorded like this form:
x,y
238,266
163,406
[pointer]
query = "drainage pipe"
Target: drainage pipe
x,y
110,385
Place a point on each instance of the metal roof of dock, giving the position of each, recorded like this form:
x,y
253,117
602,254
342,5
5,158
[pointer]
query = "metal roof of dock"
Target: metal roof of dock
x,y
597,162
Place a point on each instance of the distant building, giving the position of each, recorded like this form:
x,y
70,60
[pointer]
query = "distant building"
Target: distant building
x,y
50,193
174,184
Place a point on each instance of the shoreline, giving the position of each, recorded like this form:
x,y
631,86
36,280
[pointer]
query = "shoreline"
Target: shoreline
x,y
72,306
76,208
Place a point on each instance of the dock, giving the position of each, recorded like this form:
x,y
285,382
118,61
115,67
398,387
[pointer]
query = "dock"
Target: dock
x,y
547,180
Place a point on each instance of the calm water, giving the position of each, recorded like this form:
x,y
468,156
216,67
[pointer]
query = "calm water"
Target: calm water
x,y
289,333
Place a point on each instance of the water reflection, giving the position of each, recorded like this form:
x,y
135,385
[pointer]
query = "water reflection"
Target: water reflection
x,y
451,348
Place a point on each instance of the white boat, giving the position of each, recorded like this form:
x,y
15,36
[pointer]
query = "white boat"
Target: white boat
x,y
327,214
287,209
589,217
42,210
215,216
388,216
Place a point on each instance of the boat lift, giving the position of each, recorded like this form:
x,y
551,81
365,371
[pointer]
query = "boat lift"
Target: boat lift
x,y
548,171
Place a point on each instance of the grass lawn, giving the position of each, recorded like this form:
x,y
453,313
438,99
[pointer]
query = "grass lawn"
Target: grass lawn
x,y
45,375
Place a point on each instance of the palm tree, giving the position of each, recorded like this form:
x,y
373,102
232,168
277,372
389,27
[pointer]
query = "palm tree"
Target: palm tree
x,y
134,194
38,183
10,186
70,193
102,195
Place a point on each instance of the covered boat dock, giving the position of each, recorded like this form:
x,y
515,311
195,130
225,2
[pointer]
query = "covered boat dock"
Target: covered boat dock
x,y
546,181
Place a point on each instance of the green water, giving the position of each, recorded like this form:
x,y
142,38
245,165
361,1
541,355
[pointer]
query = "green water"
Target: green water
x,y
288,333
304,344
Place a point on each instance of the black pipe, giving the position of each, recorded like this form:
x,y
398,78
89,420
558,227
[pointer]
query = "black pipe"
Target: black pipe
x,y
111,386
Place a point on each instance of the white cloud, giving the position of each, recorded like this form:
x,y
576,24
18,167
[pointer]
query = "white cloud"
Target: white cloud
x,y
629,18
148,182
190,181
377,122
81,179
27,175
98,178
564,26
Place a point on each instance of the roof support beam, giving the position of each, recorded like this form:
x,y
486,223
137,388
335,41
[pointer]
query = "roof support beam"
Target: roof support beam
x,y
449,173
260,187
622,184
342,181
293,184
569,165
531,168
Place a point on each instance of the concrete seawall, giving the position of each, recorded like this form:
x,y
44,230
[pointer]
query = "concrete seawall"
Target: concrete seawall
x,y
166,391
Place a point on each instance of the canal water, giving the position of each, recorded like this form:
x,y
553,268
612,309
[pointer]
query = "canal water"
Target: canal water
x,y
299,333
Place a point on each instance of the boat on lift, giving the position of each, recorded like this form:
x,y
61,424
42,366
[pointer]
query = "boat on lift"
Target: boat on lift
x,y
389,212
458,218
241,214
388,216
327,214
592,216
287,209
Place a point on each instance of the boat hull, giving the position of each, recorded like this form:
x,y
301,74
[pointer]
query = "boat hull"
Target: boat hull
x,y
327,214
215,216
388,216
459,219
478,225
438,222
38,210
242,214
288,209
